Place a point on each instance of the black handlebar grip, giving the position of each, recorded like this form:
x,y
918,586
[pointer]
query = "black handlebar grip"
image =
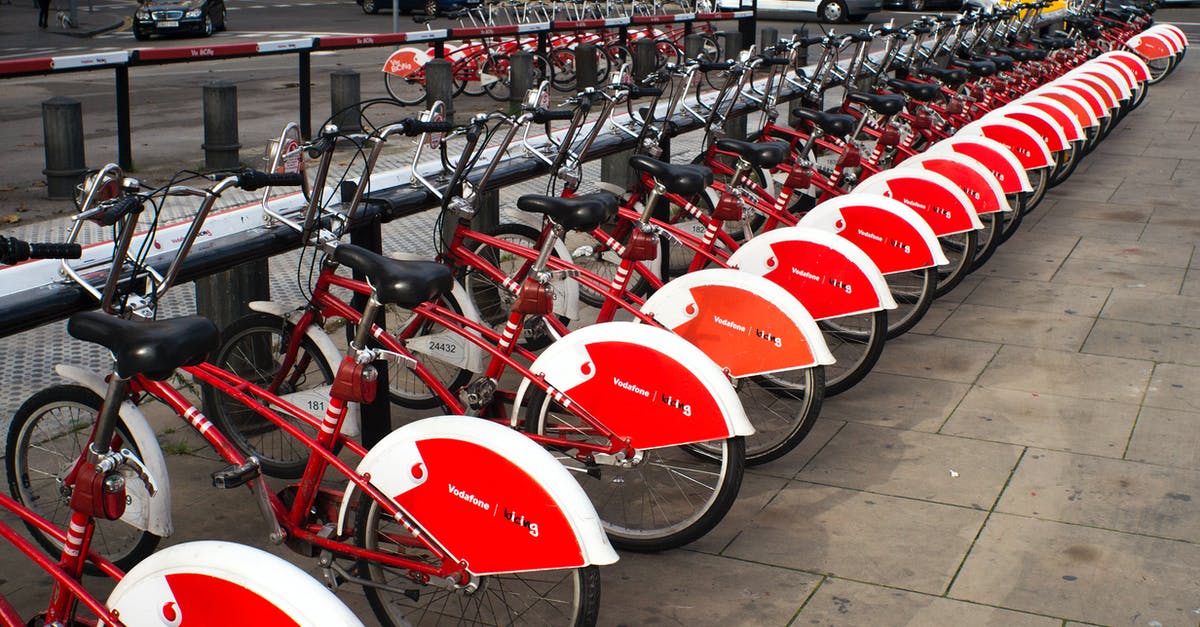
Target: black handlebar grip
x,y
541,116
638,92
861,36
417,127
774,60
117,210
811,41
55,251
251,180
707,66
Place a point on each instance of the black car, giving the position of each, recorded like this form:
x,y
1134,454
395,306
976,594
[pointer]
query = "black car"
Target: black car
x,y
407,6
169,17
923,5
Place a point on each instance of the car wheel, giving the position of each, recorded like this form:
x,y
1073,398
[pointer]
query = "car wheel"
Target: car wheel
x,y
369,7
208,25
916,5
140,35
221,26
833,11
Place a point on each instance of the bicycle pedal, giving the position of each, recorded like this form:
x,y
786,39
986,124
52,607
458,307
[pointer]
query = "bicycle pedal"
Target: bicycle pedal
x,y
236,476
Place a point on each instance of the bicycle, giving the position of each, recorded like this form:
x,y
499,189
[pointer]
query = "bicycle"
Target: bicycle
x,y
413,545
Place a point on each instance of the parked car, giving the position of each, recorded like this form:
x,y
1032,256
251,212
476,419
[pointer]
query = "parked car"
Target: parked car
x,y
407,6
923,5
170,17
835,11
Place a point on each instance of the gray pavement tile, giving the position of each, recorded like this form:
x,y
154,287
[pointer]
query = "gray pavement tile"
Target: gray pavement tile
x,y
1187,170
937,313
1091,210
1017,326
1115,147
842,603
1141,306
1020,266
1177,147
1139,253
962,290
1155,342
1169,193
1067,374
756,491
1039,242
1081,573
1044,420
934,357
1088,186
1174,386
925,466
790,464
1115,274
1160,233
1110,229
867,537
1080,300
897,401
1166,436
1184,217
689,588
1191,283
1116,494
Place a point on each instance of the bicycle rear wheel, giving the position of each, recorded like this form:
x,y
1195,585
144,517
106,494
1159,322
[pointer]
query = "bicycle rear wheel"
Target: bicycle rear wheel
x,y
669,498
553,597
407,90
45,438
960,250
913,292
856,343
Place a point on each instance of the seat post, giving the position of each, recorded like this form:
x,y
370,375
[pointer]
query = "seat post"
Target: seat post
x,y
106,424
364,325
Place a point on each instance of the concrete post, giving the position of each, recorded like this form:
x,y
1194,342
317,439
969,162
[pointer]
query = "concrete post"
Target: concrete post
x,y
645,55
439,84
344,96
769,37
586,66
520,72
62,131
693,45
222,297
220,126
735,126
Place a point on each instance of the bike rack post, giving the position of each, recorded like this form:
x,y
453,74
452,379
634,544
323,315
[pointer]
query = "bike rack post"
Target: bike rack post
x,y
585,66
305,94
693,45
376,415
344,95
62,128
124,132
644,53
222,297
748,26
220,126
520,71
735,126
439,84
768,37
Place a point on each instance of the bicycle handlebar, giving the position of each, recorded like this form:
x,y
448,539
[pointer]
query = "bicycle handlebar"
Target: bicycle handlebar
x,y
14,251
541,115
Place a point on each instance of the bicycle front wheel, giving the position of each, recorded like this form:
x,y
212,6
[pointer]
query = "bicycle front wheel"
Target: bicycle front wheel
x,y
668,498
551,597
253,349
47,435
407,90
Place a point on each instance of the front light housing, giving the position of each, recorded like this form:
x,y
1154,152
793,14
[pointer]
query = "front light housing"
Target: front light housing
x,y
192,13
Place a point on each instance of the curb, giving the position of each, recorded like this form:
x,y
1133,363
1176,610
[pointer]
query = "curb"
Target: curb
x,y
92,32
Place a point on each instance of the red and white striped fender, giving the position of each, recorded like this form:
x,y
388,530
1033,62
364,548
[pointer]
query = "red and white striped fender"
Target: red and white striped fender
x,y
996,157
1126,73
935,198
513,508
644,383
1087,92
829,275
405,61
1022,140
1172,34
1151,46
1062,115
1116,81
1079,106
744,323
1047,128
896,238
1135,63
972,178
223,583
1108,93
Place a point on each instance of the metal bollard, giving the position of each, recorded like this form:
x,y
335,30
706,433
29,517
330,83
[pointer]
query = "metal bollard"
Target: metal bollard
x,y
62,130
222,297
645,58
344,96
735,126
693,45
587,71
733,44
769,37
802,32
220,126
439,85
521,80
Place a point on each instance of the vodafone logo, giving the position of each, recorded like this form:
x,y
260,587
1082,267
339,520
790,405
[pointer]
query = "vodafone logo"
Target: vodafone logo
x,y
170,614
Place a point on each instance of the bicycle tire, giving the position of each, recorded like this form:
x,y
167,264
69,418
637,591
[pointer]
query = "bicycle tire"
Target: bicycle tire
x,y
913,292
636,515
960,250
1065,163
493,301
988,239
34,466
783,407
409,91
1160,68
251,348
856,343
592,255
1040,181
577,590
1012,219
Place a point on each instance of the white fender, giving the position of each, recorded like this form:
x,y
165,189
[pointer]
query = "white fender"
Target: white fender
x,y
314,401
744,323
935,197
894,236
829,275
1113,77
1074,101
1124,71
148,513
1135,63
1087,92
981,187
1047,128
644,383
1062,115
214,583
1171,34
1151,46
487,495
405,61
1107,94
997,157
451,348
1180,36
1024,142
